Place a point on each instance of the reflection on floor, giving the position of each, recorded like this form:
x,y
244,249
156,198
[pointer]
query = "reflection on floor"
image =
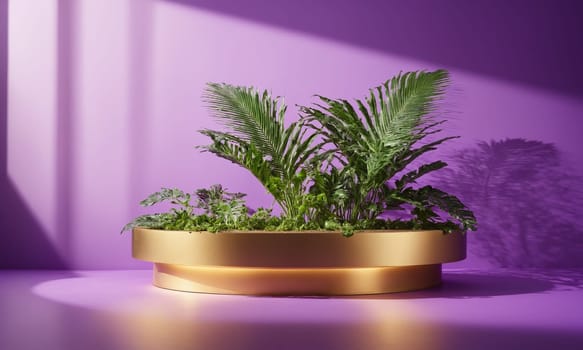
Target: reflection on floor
x,y
110,310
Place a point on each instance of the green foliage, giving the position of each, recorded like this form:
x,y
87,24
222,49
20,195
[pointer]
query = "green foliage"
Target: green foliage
x,y
376,143
375,140
226,207
427,200
258,140
262,219
217,210
340,167
155,221
172,195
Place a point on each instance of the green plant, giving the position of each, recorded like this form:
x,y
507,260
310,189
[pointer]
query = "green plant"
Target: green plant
x,y
258,140
374,142
341,166
218,210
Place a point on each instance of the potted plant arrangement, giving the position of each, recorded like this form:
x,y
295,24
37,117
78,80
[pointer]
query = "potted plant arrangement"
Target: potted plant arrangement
x,y
353,218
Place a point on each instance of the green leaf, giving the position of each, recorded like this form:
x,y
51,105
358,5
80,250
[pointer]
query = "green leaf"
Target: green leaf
x,y
376,140
166,194
411,176
258,140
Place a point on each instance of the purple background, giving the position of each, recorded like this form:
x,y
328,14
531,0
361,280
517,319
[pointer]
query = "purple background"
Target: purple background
x,y
100,104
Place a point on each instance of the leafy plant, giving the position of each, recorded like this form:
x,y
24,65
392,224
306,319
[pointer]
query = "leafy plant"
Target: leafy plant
x,y
342,166
374,141
258,140
219,210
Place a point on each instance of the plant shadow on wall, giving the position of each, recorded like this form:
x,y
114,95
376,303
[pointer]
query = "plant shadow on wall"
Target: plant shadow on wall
x,y
526,200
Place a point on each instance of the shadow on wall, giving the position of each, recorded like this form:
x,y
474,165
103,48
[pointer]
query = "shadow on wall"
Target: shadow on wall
x,y
24,243
504,39
526,201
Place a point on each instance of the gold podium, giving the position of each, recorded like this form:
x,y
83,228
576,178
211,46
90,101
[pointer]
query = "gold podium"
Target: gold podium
x,y
297,263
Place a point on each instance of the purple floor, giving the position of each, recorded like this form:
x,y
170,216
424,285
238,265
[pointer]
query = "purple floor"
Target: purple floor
x,y
110,310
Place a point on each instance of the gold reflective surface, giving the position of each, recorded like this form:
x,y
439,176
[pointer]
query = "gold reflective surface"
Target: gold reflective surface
x,y
296,281
298,249
297,263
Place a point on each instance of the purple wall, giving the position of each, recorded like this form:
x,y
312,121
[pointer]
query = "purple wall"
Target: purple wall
x,y
23,243
103,105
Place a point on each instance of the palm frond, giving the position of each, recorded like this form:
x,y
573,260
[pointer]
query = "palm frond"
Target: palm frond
x,y
239,152
392,118
427,197
257,139
252,116
413,175
377,136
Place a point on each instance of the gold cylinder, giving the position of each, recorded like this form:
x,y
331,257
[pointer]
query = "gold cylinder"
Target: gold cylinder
x,y
297,263
298,249
295,281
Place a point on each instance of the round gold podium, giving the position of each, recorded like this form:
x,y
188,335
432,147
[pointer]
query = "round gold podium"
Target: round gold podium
x,y
297,263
